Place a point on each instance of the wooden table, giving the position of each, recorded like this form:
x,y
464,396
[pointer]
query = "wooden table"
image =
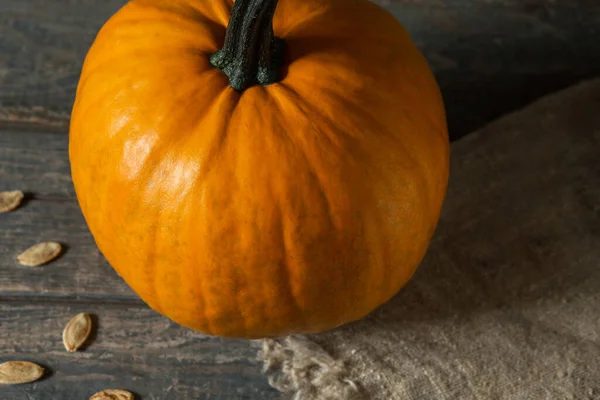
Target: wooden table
x,y
490,58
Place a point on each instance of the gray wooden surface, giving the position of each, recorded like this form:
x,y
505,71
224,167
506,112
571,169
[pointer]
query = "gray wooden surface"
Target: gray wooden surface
x,y
133,348
490,57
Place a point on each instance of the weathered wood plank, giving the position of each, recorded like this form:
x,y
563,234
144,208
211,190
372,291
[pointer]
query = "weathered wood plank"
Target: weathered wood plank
x,y
134,349
81,272
42,46
36,163
490,56
495,56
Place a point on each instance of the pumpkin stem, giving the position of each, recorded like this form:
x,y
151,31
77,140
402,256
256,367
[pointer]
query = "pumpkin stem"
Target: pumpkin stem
x,y
252,54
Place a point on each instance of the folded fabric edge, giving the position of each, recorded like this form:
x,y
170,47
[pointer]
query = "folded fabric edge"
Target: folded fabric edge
x,y
299,365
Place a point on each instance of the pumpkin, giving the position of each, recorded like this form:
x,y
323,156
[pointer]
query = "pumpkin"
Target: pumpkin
x,y
259,168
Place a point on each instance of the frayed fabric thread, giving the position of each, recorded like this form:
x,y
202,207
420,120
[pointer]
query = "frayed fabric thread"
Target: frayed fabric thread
x,y
299,365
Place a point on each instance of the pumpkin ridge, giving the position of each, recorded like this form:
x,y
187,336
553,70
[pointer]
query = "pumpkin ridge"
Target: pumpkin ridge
x,y
365,113
310,113
229,100
398,145
286,270
184,11
150,268
273,96
354,13
122,25
283,135
285,242
384,133
147,173
233,98
197,273
307,19
96,102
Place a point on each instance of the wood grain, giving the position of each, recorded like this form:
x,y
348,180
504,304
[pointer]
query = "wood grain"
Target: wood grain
x,y
42,47
133,349
38,163
81,272
35,162
490,56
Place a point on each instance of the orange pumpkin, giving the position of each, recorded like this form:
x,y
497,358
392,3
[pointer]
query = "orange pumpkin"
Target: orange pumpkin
x,y
279,173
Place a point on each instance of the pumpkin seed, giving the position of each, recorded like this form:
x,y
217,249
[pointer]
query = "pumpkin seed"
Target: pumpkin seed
x,y
113,394
77,331
10,200
17,372
39,254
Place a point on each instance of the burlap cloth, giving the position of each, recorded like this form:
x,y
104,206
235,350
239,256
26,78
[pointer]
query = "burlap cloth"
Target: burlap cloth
x,y
506,304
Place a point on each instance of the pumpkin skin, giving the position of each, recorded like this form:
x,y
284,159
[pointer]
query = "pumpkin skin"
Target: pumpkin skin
x,y
290,208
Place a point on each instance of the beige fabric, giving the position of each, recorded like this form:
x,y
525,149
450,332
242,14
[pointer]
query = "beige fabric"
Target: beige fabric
x,y
506,304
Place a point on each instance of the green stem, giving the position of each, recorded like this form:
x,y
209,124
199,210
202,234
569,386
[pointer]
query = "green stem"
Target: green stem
x,y
252,54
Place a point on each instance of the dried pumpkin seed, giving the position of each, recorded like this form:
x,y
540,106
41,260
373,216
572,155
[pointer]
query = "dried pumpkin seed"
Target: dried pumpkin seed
x,y
40,254
17,372
10,200
77,331
113,394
